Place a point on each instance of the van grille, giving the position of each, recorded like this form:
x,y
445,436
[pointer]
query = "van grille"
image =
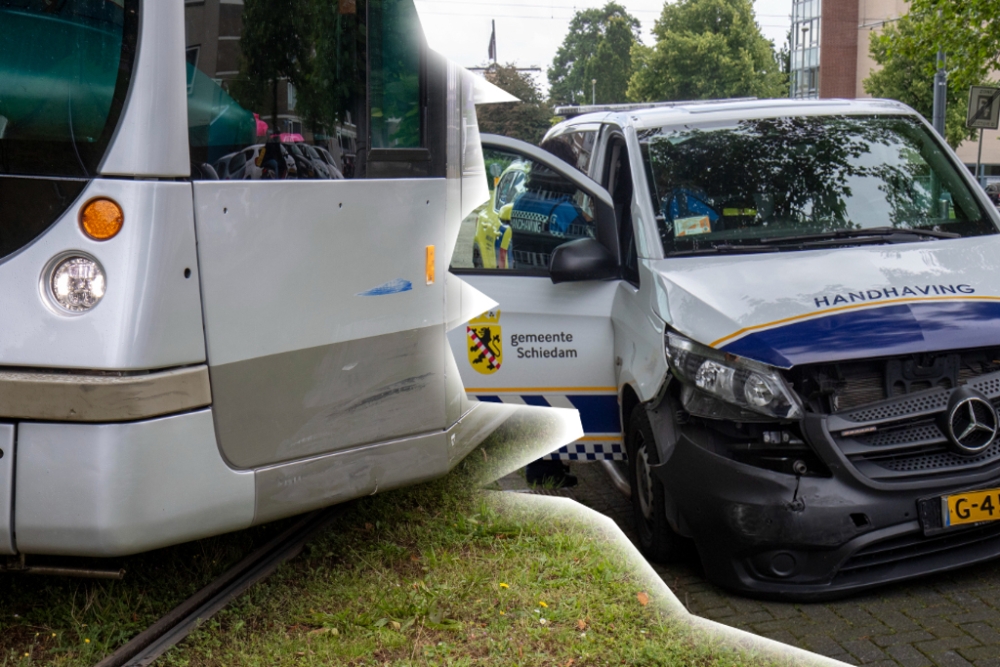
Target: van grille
x,y
896,437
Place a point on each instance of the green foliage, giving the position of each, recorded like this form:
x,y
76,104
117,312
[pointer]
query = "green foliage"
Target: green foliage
x,y
907,53
528,119
335,76
273,46
706,49
598,46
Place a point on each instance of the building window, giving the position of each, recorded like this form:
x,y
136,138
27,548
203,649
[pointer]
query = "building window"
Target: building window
x,y
805,55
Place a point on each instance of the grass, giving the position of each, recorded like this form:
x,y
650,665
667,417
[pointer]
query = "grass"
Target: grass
x,y
439,574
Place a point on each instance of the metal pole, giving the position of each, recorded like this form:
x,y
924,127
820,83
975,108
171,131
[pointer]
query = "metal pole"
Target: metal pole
x,y
593,91
979,158
940,94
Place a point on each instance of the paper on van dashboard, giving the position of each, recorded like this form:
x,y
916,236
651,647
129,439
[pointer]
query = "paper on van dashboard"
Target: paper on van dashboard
x,y
699,224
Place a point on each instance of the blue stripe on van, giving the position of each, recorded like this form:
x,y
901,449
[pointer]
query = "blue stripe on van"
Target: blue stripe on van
x,y
598,414
890,330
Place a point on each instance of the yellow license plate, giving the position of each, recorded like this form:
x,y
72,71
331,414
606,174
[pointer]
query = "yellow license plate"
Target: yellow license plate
x,y
971,507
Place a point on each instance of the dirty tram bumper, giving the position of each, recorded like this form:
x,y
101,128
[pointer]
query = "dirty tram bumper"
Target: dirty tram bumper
x,y
770,534
106,482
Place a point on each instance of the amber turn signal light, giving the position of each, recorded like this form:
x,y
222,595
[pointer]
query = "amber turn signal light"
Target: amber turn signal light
x,y
429,265
101,219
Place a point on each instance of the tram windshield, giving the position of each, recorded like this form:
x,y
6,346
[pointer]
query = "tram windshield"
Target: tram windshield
x,y
64,72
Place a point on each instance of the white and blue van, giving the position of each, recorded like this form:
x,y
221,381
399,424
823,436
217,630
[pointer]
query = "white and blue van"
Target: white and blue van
x,y
784,314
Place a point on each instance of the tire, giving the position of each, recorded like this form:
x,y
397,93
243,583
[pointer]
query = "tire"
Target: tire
x,y
477,258
657,541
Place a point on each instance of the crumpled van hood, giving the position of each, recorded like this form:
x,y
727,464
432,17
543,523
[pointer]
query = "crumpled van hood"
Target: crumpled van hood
x,y
802,307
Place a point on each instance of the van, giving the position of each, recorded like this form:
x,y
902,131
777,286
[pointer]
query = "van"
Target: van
x,y
785,316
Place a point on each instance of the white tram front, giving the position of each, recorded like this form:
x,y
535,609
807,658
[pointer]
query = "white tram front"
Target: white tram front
x,y
224,235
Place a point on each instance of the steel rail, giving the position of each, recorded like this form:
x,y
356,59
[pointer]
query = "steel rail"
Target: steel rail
x,y
179,622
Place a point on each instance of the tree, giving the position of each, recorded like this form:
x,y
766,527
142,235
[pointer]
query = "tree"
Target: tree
x,y
907,53
528,119
597,46
706,49
275,45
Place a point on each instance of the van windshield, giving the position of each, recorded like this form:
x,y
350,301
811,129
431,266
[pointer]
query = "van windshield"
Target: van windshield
x,y
64,72
801,182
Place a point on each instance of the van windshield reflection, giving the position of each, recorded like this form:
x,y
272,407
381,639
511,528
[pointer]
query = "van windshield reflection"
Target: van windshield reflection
x,y
755,185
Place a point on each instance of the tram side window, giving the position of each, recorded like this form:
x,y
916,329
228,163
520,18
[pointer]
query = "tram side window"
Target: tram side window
x,y
394,53
276,88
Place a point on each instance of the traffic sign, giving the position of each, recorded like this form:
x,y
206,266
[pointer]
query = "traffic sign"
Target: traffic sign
x,y
984,108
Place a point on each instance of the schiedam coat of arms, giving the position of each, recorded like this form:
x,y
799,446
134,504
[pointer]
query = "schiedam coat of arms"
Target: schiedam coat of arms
x,y
485,348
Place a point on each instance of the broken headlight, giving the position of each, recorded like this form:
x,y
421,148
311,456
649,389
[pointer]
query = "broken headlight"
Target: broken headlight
x,y
746,384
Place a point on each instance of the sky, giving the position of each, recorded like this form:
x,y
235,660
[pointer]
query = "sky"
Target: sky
x,y
529,33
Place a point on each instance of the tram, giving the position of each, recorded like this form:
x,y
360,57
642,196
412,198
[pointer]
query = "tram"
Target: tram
x,y
225,228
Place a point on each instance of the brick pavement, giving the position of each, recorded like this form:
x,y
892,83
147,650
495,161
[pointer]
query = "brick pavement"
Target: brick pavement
x,y
946,620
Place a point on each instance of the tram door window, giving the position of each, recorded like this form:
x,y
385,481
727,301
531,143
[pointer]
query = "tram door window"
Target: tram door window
x,y
268,74
394,53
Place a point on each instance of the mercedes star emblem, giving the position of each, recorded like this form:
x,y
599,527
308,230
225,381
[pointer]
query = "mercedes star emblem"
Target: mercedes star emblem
x,y
971,422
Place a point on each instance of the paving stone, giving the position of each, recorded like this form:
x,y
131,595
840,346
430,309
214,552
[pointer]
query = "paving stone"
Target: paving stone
x,y
982,632
984,615
822,644
861,617
896,620
980,653
941,628
770,626
903,638
783,636
784,611
748,620
863,650
987,662
947,644
715,613
950,659
907,656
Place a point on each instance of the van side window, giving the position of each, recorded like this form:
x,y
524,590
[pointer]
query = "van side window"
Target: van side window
x,y
314,90
576,148
531,211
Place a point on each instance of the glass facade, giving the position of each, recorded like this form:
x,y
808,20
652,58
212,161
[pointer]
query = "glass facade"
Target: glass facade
x,y
805,48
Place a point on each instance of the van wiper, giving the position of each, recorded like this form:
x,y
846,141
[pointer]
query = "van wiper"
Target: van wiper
x,y
726,249
871,235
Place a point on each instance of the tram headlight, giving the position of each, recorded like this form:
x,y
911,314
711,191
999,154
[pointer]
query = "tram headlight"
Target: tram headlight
x,y
76,283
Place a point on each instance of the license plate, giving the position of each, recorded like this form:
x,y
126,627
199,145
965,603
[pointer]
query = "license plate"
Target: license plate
x,y
971,507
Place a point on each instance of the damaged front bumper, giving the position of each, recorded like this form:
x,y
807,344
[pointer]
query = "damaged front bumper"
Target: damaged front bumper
x,y
777,535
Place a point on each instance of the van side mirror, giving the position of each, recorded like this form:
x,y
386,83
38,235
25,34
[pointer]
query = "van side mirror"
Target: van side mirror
x,y
582,259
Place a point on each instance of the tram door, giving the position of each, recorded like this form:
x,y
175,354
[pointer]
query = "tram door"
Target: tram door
x,y
324,327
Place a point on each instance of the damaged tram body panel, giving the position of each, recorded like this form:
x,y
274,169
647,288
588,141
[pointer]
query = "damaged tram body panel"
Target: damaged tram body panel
x,y
224,305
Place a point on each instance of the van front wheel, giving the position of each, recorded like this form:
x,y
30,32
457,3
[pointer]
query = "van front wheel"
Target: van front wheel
x,y
656,539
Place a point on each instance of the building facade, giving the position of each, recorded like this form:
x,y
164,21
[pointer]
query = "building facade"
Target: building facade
x,y
830,58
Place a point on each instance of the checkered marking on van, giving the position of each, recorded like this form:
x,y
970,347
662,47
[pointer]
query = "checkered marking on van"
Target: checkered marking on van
x,y
599,417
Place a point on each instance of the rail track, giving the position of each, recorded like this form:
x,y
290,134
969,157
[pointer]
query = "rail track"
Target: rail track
x,y
177,624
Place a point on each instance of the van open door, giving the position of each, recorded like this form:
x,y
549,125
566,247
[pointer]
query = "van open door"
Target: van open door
x,y
550,342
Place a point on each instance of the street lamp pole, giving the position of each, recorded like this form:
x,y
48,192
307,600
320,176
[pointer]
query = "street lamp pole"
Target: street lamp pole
x,y
940,91
940,94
